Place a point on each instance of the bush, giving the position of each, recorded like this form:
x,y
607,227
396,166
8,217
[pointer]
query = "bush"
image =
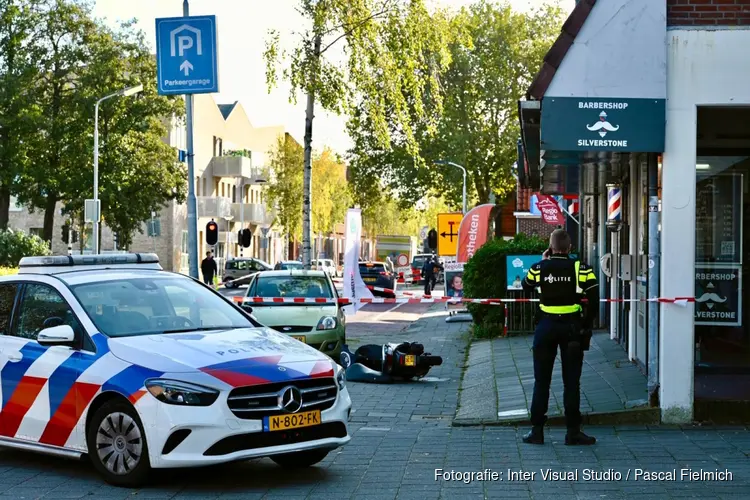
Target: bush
x,y
485,278
7,271
14,245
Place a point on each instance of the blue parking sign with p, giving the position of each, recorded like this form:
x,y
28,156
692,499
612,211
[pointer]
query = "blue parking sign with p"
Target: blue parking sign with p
x,y
186,55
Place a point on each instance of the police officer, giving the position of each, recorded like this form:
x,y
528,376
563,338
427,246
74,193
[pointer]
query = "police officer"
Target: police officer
x,y
564,323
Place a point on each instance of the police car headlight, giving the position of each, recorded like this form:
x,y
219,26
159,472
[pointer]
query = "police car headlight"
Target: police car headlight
x,y
341,379
175,392
326,323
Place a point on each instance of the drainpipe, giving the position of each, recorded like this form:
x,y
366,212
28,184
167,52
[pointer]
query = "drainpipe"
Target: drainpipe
x,y
653,277
602,239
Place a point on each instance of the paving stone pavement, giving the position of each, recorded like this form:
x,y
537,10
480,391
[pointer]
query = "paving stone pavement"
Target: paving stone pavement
x,y
499,381
396,457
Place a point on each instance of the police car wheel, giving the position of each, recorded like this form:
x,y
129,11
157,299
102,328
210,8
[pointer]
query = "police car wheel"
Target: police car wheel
x,y
300,459
117,444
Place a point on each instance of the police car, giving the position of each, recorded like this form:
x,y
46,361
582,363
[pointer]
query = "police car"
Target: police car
x,y
111,357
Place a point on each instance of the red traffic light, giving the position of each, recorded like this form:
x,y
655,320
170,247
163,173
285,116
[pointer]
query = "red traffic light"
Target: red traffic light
x,y
212,233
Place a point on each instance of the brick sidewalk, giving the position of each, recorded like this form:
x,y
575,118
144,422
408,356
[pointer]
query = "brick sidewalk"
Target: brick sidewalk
x,y
499,382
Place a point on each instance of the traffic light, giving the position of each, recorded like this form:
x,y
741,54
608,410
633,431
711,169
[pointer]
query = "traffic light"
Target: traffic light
x,y
432,239
65,233
246,238
116,239
212,234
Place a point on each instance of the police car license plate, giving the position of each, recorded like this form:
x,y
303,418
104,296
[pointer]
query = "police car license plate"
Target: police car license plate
x,y
410,360
301,338
293,421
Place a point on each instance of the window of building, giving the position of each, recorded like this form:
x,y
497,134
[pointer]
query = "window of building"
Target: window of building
x,y
223,194
234,194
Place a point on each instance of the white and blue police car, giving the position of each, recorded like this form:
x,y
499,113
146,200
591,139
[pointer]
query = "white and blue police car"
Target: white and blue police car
x,y
110,357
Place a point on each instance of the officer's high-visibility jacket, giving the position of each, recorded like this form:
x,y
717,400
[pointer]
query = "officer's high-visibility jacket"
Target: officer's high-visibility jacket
x,y
563,282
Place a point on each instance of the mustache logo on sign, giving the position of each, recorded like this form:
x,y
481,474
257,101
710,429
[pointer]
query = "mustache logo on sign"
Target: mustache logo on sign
x,y
603,126
708,296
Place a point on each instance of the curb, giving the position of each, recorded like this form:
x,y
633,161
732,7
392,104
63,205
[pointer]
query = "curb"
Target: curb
x,y
644,416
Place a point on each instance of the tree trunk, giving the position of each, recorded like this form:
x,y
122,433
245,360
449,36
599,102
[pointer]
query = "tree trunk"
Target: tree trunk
x,y
307,176
49,218
4,207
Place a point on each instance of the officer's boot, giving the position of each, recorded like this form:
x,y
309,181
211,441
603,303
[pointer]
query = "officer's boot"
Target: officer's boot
x,y
575,437
535,436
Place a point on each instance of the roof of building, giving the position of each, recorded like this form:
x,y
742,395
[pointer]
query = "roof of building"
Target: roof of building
x,y
226,109
560,48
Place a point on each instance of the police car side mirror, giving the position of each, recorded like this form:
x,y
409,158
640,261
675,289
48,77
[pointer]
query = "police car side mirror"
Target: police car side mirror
x,y
56,335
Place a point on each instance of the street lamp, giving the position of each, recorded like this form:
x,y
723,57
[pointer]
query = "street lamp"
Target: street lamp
x,y
443,162
121,93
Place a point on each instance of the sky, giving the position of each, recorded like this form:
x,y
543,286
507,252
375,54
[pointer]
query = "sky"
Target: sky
x,y
243,27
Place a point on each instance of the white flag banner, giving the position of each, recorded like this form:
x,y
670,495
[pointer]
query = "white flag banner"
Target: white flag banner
x,y
354,288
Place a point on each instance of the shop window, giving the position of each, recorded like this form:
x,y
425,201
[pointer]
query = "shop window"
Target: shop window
x,y
721,209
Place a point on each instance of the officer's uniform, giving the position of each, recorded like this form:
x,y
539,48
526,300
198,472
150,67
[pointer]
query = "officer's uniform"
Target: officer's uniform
x,y
563,282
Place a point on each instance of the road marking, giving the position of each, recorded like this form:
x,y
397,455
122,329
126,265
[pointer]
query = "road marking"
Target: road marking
x,y
377,318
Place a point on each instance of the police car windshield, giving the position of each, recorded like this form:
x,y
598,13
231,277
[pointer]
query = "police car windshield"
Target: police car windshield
x,y
145,306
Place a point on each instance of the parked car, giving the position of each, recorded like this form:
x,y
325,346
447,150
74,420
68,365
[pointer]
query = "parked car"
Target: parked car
x,y
322,326
326,265
376,275
110,356
239,270
284,265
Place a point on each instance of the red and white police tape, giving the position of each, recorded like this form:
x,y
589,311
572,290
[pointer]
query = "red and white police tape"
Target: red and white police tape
x,y
431,300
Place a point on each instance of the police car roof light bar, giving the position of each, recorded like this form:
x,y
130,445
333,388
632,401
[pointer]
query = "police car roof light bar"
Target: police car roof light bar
x,y
89,260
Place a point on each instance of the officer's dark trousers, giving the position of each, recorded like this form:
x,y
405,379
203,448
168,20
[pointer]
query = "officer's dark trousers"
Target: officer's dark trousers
x,y
428,285
552,334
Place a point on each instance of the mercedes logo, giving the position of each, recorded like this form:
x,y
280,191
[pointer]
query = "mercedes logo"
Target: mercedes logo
x,y
290,399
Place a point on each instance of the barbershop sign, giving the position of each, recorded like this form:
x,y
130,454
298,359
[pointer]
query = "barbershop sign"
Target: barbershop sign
x,y
595,124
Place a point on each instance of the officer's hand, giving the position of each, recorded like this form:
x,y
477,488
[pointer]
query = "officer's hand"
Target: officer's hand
x,y
586,339
547,254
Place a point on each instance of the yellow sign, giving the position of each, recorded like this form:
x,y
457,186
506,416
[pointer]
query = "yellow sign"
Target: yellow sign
x,y
447,230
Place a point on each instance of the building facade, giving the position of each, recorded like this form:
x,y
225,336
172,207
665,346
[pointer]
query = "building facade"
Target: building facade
x,y
231,159
641,109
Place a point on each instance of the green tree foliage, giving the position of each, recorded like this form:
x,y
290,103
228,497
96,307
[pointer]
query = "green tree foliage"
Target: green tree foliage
x,y
284,191
478,124
18,72
14,245
386,61
387,216
79,60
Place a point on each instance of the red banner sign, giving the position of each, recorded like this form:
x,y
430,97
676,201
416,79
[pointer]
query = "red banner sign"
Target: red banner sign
x,y
472,233
550,210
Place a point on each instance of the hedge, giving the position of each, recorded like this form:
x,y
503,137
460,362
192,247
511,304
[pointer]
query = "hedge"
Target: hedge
x,y
6,271
485,277
15,245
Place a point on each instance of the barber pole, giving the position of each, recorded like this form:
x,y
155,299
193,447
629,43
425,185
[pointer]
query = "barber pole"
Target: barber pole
x,y
614,206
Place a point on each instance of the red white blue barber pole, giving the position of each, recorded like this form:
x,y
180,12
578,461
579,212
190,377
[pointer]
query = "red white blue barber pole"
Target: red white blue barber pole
x,y
614,207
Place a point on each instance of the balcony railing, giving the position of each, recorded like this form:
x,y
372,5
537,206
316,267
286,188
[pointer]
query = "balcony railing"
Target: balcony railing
x,y
234,167
254,213
217,208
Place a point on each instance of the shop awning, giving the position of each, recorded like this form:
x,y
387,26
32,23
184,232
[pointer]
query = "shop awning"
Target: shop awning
x,y
599,96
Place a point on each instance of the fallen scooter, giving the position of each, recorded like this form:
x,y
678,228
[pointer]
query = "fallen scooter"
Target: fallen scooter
x,y
388,363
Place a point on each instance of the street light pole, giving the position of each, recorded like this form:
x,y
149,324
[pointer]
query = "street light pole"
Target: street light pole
x,y
442,162
122,93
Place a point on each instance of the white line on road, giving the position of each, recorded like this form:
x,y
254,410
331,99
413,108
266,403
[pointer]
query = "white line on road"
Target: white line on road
x,y
377,318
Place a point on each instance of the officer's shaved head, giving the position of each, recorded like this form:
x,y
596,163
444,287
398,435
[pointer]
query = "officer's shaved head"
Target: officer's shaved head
x,y
559,241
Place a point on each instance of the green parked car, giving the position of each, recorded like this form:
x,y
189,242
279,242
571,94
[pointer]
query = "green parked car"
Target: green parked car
x,y
322,326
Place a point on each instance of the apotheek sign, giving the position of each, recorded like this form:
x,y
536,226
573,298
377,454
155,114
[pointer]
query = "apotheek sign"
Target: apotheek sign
x,y
595,124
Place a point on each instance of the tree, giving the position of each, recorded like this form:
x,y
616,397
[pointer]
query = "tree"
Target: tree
x,y
61,50
81,61
17,75
386,60
479,120
332,192
285,187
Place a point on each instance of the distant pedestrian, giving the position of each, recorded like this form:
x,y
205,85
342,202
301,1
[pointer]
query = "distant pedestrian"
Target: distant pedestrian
x,y
209,269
